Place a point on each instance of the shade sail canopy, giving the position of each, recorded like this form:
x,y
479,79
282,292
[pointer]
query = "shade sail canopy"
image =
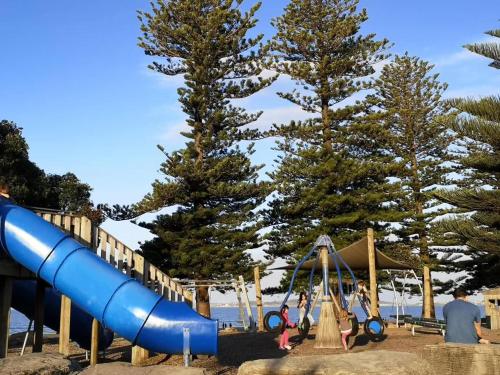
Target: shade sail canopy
x,y
356,257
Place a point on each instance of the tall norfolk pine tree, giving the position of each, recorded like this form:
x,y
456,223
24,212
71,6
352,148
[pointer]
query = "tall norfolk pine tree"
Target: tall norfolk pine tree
x,y
410,99
480,125
332,173
212,179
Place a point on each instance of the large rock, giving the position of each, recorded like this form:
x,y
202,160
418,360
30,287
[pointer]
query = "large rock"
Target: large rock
x,y
453,359
123,368
38,364
369,362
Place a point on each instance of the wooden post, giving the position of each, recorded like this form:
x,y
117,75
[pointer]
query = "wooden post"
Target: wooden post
x,y
258,299
64,324
328,334
5,301
139,355
427,313
39,316
247,303
240,305
94,343
372,270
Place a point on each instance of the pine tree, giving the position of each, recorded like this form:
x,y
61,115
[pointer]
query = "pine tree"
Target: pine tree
x,y
479,127
211,182
410,99
332,173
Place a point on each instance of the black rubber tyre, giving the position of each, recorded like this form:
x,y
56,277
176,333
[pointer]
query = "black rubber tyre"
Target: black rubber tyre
x,y
273,322
353,319
374,328
304,328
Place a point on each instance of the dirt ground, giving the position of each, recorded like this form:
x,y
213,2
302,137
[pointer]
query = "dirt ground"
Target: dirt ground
x,y
237,347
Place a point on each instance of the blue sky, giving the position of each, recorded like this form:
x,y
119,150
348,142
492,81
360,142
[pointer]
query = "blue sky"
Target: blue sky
x,y
73,77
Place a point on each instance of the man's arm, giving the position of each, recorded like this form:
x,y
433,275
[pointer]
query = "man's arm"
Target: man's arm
x,y
477,325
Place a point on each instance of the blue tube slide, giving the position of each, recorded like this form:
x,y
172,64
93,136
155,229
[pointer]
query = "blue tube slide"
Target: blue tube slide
x,y
23,297
120,303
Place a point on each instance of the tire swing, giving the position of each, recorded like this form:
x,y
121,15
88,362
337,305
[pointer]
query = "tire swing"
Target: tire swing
x,y
273,322
353,319
374,328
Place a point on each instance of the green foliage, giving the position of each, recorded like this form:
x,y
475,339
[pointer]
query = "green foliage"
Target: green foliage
x,y
16,170
211,183
29,185
479,198
332,173
479,231
411,112
488,49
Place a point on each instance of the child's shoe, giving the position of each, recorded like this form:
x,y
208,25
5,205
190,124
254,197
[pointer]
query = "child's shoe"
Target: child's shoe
x,y
288,347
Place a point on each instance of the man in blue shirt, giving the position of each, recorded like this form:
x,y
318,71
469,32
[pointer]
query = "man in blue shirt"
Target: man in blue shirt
x,y
463,320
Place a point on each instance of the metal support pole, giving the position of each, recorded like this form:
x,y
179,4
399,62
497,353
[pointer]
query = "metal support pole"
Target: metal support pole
x,y
186,349
26,338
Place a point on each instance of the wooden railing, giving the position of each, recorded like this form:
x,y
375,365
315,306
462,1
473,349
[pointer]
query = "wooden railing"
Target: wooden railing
x,y
118,255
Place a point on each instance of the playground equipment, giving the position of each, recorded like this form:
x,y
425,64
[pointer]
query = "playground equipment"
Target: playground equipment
x,y
400,281
374,326
238,285
23,295
492,308
117,301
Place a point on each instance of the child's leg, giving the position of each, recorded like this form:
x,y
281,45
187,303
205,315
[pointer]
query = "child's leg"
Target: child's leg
x,y
285,338
282,340
345,335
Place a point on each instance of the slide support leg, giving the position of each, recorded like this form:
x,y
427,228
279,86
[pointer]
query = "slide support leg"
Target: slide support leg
x,y
5,301
38,318
94,343
64,325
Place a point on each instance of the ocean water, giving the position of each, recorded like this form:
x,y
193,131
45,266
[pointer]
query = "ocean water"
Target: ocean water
x,y
231,315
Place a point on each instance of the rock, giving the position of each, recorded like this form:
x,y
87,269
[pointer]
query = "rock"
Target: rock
x,y
123,368
452,359
369,362
38,364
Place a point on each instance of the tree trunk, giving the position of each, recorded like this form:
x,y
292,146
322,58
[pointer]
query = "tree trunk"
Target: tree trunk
x,y
327,131
203,301
428,297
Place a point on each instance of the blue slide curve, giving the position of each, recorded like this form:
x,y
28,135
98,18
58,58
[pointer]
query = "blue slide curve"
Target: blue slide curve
x,y
119,302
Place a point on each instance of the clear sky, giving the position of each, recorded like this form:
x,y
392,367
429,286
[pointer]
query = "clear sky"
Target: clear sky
x,y
72,76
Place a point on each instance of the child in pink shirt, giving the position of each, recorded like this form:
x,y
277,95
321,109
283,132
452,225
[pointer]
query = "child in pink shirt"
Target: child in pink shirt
x,y
284,332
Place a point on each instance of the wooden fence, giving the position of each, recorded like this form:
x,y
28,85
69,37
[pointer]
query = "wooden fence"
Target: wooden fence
x,y
118,255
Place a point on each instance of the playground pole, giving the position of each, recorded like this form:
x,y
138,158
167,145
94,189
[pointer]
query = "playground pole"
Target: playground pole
x,y
328,335
372,270
258,298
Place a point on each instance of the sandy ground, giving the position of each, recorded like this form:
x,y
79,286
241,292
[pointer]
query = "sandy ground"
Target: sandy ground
x,y
236,348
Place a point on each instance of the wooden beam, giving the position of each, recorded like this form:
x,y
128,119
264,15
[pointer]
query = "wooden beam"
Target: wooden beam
x,y
94,343
39,316
372,270
139,355
64,325
5,302
258,298
427,313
